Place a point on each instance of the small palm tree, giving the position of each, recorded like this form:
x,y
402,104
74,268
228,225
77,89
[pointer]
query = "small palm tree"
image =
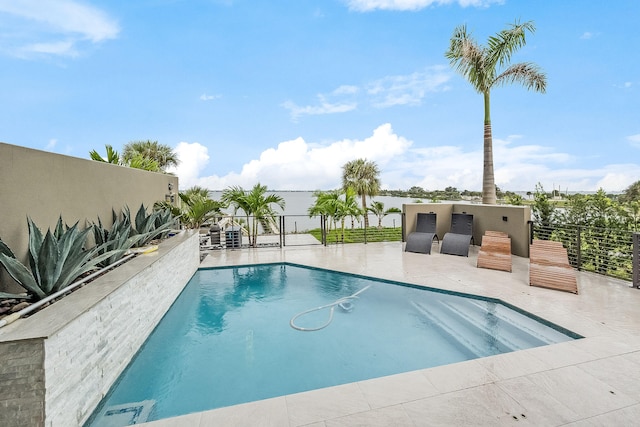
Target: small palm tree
x,y
256,205
377,208
363,177
161,153
196,209
479,64
326,204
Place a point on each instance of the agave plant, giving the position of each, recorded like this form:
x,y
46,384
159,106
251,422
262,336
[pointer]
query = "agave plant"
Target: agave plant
x,y
117,239
151,226
55,259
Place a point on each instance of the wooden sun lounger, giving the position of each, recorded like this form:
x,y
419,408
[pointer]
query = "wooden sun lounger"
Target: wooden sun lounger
x,y
495,252
549,267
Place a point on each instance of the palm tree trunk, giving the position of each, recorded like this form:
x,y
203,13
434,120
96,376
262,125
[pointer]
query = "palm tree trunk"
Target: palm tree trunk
x,y
488,179
364,209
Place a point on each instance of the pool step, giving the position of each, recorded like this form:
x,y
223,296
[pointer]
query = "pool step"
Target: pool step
x,y
483,328
455,329
492,319
537,333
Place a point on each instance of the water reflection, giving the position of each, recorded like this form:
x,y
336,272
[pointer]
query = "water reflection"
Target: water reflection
x,y
252,283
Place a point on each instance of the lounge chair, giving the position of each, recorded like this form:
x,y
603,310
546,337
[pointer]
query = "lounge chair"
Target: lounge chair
x,y
549,266
421,240
458,239
495,252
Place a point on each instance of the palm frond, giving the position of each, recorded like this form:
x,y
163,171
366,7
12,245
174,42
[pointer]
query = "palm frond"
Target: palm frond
x,y
525,73
506,42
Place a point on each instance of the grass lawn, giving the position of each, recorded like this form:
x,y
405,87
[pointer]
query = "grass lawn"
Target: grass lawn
x,y
357,235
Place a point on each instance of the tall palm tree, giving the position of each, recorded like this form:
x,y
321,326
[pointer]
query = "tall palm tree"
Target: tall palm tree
x,y
351,208
363,177
479,65
161,153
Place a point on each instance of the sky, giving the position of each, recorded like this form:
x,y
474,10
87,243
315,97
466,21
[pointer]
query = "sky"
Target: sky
x,y
285,92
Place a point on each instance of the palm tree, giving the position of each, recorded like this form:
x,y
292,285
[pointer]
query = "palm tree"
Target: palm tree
x,y
112,156
377,208
196,209
351,208
479,64
162,154
255,204
326,204
362,176
137,161
197,190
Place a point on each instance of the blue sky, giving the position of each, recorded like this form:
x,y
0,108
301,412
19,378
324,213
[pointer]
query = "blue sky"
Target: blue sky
x,y
284,92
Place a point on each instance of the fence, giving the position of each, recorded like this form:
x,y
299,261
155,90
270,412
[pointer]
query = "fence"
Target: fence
x,y
600,250
234,232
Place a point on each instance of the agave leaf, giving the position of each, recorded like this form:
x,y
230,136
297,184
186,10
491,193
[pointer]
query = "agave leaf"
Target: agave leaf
x,y
126,215
70,246
35,242
141,219
4,249
47,262
100,235
59,230
74,258
82,264
21,274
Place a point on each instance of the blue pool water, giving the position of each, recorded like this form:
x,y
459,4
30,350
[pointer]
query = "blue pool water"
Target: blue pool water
x,y
228,338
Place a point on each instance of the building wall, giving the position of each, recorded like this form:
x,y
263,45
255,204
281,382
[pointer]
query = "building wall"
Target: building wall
x,y
512,220
45,185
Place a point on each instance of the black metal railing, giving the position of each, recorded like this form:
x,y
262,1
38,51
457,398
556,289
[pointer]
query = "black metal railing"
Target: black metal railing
x,y
604,251
600,250
234,232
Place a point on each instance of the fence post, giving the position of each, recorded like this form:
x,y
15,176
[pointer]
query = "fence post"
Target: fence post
x,y
323,229
636,260
365,231
282,242
402,225
530,223
579,248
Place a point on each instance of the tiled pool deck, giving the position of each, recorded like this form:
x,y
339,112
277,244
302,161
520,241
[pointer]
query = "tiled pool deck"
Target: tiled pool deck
x,y
589,382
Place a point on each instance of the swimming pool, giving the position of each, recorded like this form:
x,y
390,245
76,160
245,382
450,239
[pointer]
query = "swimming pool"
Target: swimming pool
x,y
233,336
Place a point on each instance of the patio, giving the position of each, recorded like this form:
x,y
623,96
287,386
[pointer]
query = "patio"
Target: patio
x,y
594,381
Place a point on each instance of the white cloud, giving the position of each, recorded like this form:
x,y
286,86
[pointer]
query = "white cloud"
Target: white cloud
x,y
586,35
300,165
385,92
407,90
193,159
54,27
634,140
411,5
296,164
205,97
51,144
325,107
